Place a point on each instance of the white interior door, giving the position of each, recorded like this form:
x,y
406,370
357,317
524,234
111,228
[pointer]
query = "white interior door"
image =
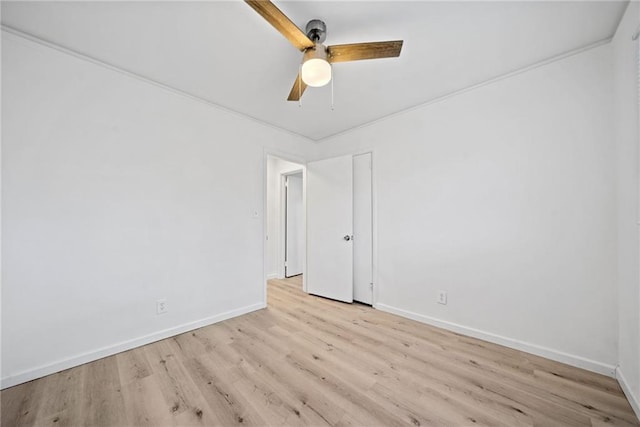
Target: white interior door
x,y
294,249
362,229
329,228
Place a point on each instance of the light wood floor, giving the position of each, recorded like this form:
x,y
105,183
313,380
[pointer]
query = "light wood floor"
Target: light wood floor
x,y
310,361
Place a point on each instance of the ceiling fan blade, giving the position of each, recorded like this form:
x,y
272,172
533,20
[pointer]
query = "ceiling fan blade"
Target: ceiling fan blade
x,y
297,90
281,22
359,51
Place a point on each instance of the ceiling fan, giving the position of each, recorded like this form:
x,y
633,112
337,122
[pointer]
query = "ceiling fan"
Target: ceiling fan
x,y
317,59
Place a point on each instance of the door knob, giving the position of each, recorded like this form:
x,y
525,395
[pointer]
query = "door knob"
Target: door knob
x,y
347,237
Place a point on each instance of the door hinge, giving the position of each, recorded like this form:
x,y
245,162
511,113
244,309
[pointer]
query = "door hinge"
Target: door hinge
x,y
371,286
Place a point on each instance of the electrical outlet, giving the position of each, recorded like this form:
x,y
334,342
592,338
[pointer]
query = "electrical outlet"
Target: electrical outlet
x,y
442,297
161,306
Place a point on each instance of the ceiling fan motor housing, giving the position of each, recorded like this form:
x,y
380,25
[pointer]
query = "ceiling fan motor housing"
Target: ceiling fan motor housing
x,y
316,31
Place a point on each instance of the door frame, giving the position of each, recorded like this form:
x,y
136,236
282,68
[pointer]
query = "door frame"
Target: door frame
x,y
370,231
282,238
374,221
265,160
374,224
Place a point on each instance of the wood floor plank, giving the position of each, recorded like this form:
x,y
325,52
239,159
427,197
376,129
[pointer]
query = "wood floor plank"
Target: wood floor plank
x,y
306,361
20,404
103,404
222,397
65,402
314,405
180,392
132,365
145,403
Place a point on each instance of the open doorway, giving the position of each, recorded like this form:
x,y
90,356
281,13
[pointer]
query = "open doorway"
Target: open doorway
x,y
293,224
285,222
320,227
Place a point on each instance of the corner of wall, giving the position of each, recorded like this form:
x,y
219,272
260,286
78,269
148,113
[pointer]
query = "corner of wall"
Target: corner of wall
x,y
628,392
626,121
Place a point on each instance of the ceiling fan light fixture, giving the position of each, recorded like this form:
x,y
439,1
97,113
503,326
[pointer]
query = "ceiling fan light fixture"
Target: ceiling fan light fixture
x,y
316,70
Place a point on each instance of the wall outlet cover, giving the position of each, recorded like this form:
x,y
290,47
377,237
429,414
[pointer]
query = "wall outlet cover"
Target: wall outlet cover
x,y
161,306
442,297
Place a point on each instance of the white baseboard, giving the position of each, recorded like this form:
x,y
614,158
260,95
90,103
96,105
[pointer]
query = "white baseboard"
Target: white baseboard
x,y
631,397
90,356
559,356
272,276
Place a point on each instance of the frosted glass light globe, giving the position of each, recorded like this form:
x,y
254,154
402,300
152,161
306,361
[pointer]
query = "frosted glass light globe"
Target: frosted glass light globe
x,y
316,70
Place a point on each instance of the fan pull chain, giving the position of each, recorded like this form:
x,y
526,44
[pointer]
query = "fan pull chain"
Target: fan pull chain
x,y
300,85
332,79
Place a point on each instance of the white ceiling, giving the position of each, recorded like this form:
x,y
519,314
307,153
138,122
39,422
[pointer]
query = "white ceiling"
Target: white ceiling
x,y
226,53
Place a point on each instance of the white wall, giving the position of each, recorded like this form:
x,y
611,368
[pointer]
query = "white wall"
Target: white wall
x,y
503,196
626,125
116,193
275,246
